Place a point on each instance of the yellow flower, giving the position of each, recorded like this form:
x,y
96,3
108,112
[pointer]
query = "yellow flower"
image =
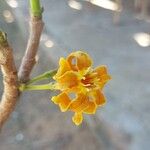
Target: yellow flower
x,y
80,85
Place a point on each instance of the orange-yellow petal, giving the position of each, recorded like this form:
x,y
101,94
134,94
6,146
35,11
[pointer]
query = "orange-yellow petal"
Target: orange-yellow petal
x,y
79,104
79,61
104,78
63,101
91,109
77,118
68,80
102,74
98,97
63,67
101,70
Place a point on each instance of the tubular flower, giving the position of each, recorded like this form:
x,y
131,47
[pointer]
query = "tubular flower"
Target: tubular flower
x,y
80,85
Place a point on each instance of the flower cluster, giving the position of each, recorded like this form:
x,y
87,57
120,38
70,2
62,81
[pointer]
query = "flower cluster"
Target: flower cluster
x,y
80,85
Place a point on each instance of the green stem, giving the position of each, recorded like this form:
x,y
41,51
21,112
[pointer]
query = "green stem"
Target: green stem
x,y
49,86
36,8
44,76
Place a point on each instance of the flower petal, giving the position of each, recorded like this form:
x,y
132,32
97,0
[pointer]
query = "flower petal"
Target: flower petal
x,y
79,104
68,80
79,61
101,70
98,97
63,67
91,109
62,100
77,118
101,73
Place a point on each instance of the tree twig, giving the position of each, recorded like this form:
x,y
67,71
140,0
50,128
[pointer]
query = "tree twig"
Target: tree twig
x,y
36,27
10,80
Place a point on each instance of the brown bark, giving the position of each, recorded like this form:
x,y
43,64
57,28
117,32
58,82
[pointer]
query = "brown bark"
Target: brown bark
x,y
10,78
29,60
10,81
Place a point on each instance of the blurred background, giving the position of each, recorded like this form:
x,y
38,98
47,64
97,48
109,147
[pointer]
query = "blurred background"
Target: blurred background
x,y
115,33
